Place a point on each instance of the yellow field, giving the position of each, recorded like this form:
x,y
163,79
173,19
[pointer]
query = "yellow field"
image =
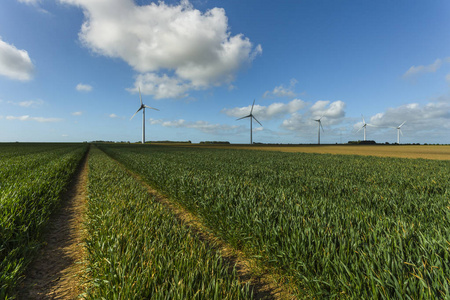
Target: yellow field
x,y
406,151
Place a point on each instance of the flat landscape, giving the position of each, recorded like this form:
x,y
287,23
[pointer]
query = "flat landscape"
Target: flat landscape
x,y
190,222
441,152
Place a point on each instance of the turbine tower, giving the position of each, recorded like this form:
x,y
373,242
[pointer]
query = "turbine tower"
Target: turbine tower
x,y
399,131
320,126
142,107
251,116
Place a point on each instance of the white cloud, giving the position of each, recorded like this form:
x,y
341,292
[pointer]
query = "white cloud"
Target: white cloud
x,y
31,103
113,116
37,119
194,50
83,87
333,110
332,113
161,86
30,2
273,111
203,126
77,113
282,91
422,117
431,68
14,63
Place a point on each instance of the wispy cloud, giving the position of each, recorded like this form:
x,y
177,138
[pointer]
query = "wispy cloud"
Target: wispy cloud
x,y
83,87
273,111
77,113
31,103
172,47
36,119
282,91
113,116
14,63
203,126
431,68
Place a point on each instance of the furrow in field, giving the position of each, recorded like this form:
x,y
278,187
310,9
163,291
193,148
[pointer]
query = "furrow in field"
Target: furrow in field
x,y
55,274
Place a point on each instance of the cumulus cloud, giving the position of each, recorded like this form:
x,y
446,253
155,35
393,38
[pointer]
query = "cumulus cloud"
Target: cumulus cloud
x,y
273,111
83,87
328,109
332,113
161,86
431,68
14,63
203,126
172,45
36,119
113,116
77,113
422,117
282,91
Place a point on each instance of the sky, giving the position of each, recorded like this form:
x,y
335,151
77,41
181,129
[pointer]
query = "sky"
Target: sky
x,y
71,70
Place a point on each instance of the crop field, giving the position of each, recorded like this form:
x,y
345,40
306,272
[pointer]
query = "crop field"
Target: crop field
x,y
336,226
329,226
440,152
32,179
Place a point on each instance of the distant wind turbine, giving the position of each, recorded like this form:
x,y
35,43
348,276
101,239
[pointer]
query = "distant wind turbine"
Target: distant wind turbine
x,y
320,126
399,131
251,116
142,107
364,126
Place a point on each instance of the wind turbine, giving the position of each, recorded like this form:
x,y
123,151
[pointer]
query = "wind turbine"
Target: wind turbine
x,y
251,116
399,131
364,126
320,125
142,107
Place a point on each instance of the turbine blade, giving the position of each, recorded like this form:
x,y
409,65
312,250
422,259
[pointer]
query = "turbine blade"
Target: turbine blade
x,y
256,120
146,106
360,129
135,113
244,117
252,106
402,124
320,123
401,132
140,97
364,121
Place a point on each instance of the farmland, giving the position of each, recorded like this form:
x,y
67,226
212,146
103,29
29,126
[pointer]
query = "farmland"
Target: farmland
x,y
337,226
329,226
32,180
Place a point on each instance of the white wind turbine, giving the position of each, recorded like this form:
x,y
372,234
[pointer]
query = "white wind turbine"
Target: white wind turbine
x,y
251,116
399,131
142,107
364,126
320,126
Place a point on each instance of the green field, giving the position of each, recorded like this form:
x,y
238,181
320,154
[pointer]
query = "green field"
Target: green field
x,y
331,226
32,178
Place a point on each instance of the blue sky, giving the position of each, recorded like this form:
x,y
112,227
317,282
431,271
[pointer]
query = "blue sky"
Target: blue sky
x,y
70,70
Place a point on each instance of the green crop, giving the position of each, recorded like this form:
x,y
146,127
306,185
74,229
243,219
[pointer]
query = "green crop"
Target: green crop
x,y
32,179
337,226
137,249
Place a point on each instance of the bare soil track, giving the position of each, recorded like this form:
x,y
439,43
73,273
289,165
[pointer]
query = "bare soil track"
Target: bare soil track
x,y
55,273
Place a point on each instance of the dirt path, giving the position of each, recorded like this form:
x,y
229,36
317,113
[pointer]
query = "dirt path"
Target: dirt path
x,y
55,274
264,283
